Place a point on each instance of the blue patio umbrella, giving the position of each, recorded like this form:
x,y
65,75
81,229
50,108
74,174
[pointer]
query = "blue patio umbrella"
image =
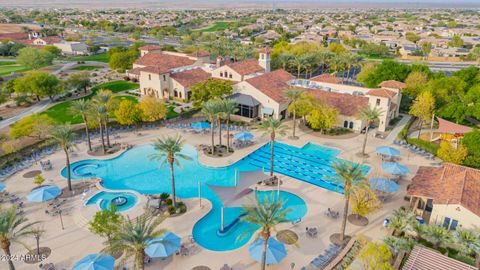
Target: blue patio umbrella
x,y
388,151
163,246
395,168
384,184
43,194
95,261
2,187
275,250
200,125
243,136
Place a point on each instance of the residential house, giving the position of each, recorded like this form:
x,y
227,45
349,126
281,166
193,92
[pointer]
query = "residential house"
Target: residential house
x,y
72,48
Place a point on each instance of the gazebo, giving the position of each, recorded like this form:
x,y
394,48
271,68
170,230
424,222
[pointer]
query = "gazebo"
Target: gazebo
x,y
449,129
235,196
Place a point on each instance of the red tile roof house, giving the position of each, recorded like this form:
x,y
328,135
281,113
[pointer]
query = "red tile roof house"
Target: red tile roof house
x,y
448,196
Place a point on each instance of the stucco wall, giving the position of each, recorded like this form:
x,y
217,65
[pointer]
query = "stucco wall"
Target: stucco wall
x,y
466,218
265,101
225,69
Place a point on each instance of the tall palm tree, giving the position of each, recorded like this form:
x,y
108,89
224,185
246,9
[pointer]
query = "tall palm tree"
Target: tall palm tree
x,y
209,109
369,115
469,243
105,98
293,95
64,136
229,108
82,107
132,238
397,244
352,177
13,228
272,127
98,113
266,213
299,63
284,59
438,236
169,149
401,220
220,114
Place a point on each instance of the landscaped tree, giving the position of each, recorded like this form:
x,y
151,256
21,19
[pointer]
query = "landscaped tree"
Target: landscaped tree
x,y
423,108
450,154
210,89
415,82
369,115
37,233
229,108
105,223
210,110
169,150
363,202
305,105
375,256
265,213
456,41
401,221
322,117
65,136
79,81
35,125
152,109
132,238
99,113
13,228
412,37
438,236
397,244
34,58
426,48
56,52
105,98
271,126
83,108
39,84
469,243
299,63
128,113
387,70
352,177
293,96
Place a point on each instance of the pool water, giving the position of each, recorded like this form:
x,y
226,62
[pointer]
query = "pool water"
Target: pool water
x,y
104,200
133,170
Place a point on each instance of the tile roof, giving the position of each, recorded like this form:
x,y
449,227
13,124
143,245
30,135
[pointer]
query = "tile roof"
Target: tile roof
x,y
199,53
166,61
246,67
392,84
346,104
190,77
450,184
51,39
155,69
272,84
14,36
422,258
326,78
381,93
150,48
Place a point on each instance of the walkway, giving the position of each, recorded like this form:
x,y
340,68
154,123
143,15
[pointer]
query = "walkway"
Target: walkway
x,y
394,133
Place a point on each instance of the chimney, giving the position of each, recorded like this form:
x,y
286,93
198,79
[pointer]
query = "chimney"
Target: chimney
x,y
220,61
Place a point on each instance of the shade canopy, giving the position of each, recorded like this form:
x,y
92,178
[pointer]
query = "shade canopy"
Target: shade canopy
x,y
275,251
2,187
243,136
163,246
246,100
384,184
395,168
95,261
44,193
388,151
234,196
445,126
200,125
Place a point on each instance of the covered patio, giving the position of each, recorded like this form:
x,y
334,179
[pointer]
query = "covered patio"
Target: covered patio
x,y
247,105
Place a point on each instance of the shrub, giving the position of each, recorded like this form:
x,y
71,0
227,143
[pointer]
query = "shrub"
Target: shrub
x,y
428,146
171,210
164,196
126,78
169,201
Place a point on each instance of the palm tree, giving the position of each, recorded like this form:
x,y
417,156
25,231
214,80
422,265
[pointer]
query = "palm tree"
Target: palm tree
x,y
98,113
299,63
438,236
369,115
209,109
469,243
284,59
220,114
401,220
272,127
266,213
133,236
64,136
397,244
229,108
352,177
105,98
169,150
13,228
82,107
293,95
37,233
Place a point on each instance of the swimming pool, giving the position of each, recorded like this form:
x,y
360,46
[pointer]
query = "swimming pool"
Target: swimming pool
x,y
133,170
123,200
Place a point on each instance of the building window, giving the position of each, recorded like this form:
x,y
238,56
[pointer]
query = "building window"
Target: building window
x,y
230,76
221,74
345,124
175,93
149,77
180,94
164,78
378,102
351,125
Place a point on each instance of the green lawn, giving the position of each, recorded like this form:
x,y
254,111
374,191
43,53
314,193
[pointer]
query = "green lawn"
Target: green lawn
x,y
86,68
217,26
7,63
61,111
7,69
95,57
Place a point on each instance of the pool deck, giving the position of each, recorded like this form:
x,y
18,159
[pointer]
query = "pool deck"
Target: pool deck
x,y
75,241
